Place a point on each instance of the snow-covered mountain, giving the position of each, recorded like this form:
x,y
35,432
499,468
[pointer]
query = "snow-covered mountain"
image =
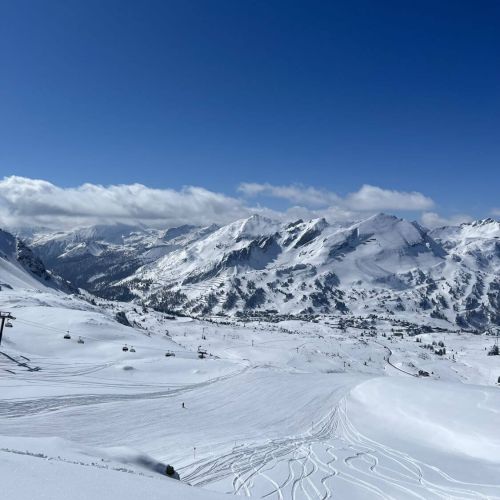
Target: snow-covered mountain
x,y
382,265
96,258
21,268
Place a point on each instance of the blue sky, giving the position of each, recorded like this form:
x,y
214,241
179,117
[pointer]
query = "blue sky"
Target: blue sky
x,y
404,96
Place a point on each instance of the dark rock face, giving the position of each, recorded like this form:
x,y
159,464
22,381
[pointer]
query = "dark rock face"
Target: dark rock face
x,y
30,262
15,250
121,317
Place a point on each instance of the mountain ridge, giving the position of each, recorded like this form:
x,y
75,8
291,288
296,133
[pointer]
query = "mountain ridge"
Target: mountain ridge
x,y
382,264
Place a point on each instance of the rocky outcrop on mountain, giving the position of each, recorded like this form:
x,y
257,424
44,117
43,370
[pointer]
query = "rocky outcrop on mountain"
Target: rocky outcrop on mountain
x,y
21,267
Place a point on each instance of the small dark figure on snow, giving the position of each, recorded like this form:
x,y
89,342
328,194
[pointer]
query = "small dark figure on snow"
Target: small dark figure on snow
x,y
183,405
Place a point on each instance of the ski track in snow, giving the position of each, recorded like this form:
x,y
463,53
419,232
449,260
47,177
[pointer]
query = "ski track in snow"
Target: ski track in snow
x,y
14,408
375,469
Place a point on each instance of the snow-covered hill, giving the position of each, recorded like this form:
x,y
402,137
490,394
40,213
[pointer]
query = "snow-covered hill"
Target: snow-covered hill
x,y
383,265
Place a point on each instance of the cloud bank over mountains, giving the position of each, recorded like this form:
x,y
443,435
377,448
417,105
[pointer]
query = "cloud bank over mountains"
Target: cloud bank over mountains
x,y
26,202
366,199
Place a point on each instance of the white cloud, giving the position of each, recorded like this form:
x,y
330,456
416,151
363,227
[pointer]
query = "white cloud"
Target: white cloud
x,y
294,193
375,198
432,220
29,202
368,198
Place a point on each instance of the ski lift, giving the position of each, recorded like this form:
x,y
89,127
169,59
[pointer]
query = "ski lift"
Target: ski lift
x,y
124,348
169,354
8,324
132,349
202,353
67,336
80,340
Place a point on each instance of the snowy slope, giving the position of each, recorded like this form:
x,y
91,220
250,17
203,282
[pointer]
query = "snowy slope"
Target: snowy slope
x,y
38,363
293,410
57,471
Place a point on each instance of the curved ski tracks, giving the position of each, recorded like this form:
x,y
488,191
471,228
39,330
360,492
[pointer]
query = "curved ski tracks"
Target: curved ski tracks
x,y
332,457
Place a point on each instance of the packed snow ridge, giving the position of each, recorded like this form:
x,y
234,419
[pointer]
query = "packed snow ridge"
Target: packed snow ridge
x,y
259,267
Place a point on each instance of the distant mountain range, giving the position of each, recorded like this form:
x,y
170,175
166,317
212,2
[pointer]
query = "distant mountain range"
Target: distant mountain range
x,y
382,265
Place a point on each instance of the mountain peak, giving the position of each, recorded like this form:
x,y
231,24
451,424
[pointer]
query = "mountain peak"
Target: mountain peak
x,y
378,223
484,222
255,225
383,217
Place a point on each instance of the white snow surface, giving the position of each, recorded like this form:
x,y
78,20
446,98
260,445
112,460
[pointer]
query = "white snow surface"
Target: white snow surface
x,y
289,410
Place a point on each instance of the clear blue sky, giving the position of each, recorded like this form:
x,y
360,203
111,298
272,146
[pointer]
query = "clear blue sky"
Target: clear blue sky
x,y
398,94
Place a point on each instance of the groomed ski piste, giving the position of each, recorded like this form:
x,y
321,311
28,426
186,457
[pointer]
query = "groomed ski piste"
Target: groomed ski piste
x,y
290,411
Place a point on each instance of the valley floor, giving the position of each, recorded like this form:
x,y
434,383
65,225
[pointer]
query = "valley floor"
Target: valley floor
x,y
291,410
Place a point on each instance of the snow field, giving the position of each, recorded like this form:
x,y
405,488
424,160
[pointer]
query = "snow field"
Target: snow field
x,y
292,410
